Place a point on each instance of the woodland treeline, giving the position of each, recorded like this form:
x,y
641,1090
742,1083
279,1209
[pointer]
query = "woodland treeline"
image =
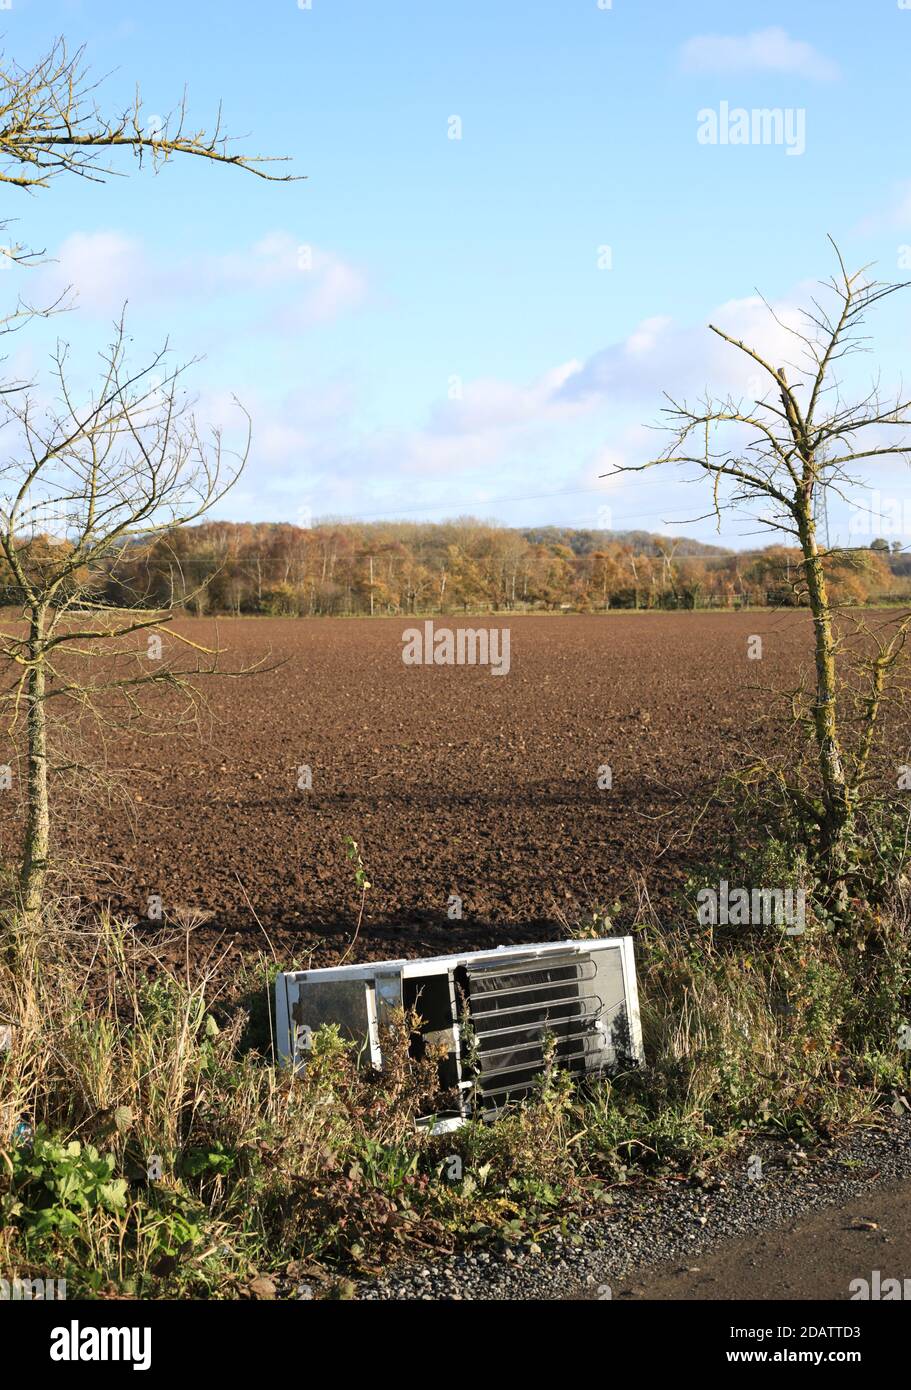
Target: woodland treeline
x,y
458,566
466,565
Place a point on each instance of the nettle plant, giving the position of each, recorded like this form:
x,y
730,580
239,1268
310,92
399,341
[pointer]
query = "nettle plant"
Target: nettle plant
x,y
776,457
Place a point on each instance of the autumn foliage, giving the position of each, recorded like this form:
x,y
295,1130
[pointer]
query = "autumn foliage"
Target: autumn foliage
x,y
467,565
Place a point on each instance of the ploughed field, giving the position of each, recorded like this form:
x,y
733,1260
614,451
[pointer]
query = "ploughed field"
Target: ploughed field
x,y
453,781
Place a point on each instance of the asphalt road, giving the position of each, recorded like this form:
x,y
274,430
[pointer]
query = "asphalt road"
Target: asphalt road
x,y
821,1256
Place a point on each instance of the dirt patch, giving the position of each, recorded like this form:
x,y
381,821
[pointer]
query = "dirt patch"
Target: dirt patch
x,y
454,782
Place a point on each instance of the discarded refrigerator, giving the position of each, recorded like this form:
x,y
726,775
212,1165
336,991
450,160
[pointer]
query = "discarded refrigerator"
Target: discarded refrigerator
x,y
495,1018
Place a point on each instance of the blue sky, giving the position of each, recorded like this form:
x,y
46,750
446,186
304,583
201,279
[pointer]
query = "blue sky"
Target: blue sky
x,y
421,327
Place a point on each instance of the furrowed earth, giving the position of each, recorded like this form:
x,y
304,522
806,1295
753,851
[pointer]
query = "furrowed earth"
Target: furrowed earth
x,y
455,782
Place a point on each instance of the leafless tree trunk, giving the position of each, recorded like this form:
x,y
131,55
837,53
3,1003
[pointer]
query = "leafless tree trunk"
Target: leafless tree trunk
x,y
787,446
106,479
36,845
88,484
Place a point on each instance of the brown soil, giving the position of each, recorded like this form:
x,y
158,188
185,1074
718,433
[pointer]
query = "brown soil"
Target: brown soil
x,y
452,780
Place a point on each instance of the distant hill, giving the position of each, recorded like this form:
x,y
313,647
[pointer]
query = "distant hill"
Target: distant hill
x,y
584,542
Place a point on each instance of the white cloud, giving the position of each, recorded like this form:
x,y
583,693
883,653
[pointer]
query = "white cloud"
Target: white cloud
x,y
103,269
489,405
894,217
319,447
552,435
661,355
337,289
583,413
765,50
107,268
325,284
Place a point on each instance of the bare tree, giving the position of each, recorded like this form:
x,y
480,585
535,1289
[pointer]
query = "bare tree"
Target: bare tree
x,y
778,453
88,481
51,124
87,484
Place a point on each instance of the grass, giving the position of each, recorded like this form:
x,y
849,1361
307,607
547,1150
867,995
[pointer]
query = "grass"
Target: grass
x,y
149,1146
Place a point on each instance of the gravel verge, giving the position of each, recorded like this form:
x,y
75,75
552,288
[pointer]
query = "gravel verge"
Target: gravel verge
x,y
658,1223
